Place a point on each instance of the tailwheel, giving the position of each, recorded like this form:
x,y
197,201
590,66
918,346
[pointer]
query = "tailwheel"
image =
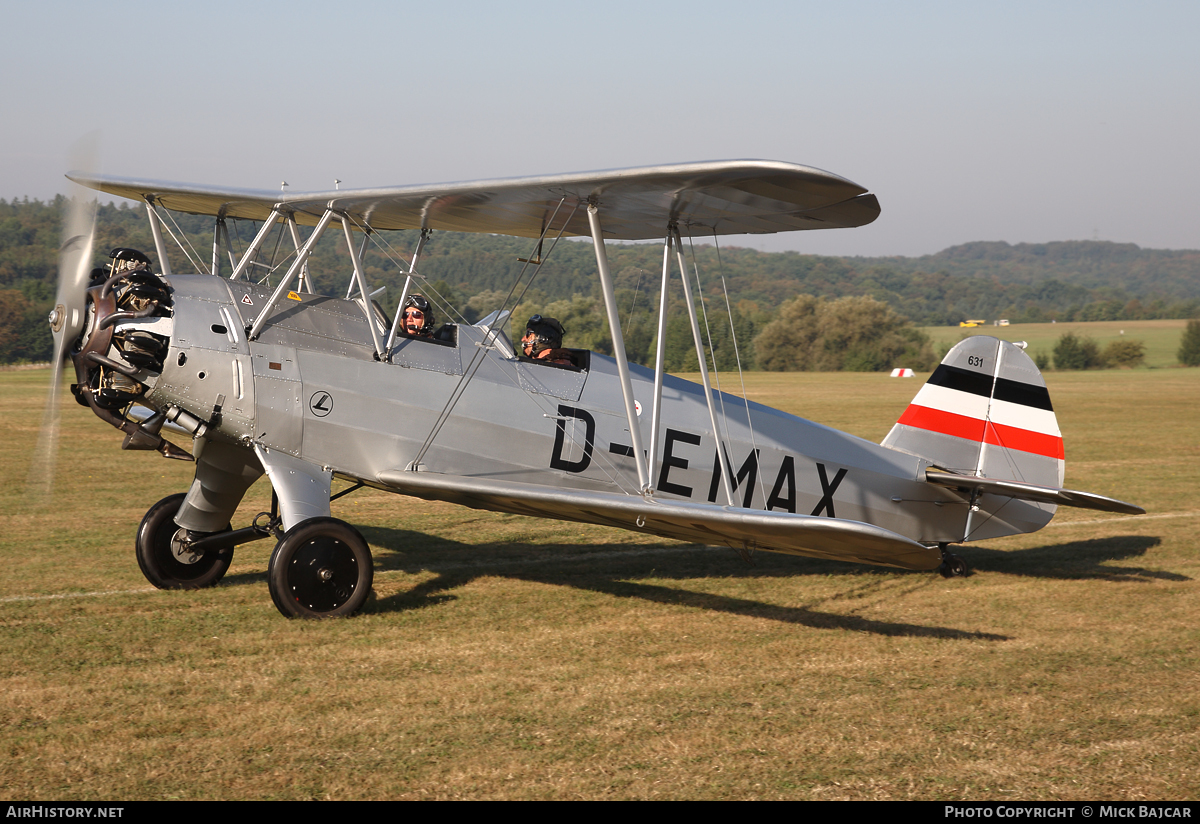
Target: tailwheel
x,y
321,568
164,556
952,566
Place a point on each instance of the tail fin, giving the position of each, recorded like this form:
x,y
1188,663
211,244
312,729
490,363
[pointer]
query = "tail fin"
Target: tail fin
x,y
985,412
985,416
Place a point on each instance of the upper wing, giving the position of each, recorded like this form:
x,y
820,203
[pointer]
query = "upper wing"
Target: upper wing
x,y
723,197
833,538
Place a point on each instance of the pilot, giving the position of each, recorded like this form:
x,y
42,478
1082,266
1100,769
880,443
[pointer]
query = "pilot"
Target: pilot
x,y
419,319
542,341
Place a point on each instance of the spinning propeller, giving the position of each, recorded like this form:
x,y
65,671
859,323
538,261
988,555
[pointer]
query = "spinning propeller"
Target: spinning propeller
x,y
69,313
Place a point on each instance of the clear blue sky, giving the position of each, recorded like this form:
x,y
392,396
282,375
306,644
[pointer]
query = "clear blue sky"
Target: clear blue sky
x,y
971,121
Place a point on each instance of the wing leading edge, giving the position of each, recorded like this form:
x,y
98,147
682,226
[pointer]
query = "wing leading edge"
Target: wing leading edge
x,y
815,537
721,197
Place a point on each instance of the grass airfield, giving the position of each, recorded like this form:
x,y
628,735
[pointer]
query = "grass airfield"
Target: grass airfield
x,y
505,657
1161,337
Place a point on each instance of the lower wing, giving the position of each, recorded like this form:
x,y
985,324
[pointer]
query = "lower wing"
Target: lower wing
x,y
816,537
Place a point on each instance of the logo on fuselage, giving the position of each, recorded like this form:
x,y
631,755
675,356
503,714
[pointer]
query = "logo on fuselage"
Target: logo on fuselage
x,y
320,404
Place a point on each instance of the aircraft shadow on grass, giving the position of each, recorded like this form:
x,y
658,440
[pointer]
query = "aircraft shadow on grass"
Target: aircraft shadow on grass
x,y
614,570
1074,560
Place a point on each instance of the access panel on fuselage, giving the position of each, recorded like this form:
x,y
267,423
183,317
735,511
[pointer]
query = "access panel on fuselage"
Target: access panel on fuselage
x,y
207,365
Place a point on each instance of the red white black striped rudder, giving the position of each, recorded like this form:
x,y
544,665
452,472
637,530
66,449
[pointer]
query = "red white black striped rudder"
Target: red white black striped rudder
x,y
985,412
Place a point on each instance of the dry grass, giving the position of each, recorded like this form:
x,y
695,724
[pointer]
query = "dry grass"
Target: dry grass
x,y
504,657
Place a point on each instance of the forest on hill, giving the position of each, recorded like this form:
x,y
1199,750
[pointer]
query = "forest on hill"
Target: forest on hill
x,y
1088,263
1075,280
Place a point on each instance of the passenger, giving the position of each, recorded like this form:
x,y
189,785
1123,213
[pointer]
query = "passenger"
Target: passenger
x,y
418,317
543,341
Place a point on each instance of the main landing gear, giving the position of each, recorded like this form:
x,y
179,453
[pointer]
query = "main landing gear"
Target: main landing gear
x,y
952,566
321,567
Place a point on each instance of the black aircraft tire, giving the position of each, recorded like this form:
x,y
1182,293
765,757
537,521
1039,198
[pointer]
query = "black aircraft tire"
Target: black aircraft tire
x,y
158,559
953,566
321,568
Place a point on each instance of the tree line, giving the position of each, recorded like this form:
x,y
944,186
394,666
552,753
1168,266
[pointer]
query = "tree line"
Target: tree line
x,y
757,309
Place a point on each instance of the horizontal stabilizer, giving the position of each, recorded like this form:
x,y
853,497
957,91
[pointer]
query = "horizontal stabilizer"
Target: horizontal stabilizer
x,y
815,537
1029,492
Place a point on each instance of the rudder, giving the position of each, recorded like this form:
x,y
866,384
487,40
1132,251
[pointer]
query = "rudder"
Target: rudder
x,y
985,411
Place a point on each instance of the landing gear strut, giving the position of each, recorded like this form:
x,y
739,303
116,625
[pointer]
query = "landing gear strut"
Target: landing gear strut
x,y
952,566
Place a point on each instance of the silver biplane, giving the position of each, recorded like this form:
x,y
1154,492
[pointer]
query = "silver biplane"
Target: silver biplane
x,y
306,387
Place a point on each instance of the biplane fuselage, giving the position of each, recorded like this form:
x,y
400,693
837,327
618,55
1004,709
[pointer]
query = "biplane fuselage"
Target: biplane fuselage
x,y
311,388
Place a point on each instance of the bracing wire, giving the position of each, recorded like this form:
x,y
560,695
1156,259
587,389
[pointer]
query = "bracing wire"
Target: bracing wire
x,y
362,253
477,359
738,357
630,317
541,260
274,252
713,351
384,247
179,243
236,239
272,267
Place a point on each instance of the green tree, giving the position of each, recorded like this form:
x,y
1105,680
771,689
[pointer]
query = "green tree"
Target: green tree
x,y
13,307
1189,348
786,343
1073,352
1125,353
855,334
